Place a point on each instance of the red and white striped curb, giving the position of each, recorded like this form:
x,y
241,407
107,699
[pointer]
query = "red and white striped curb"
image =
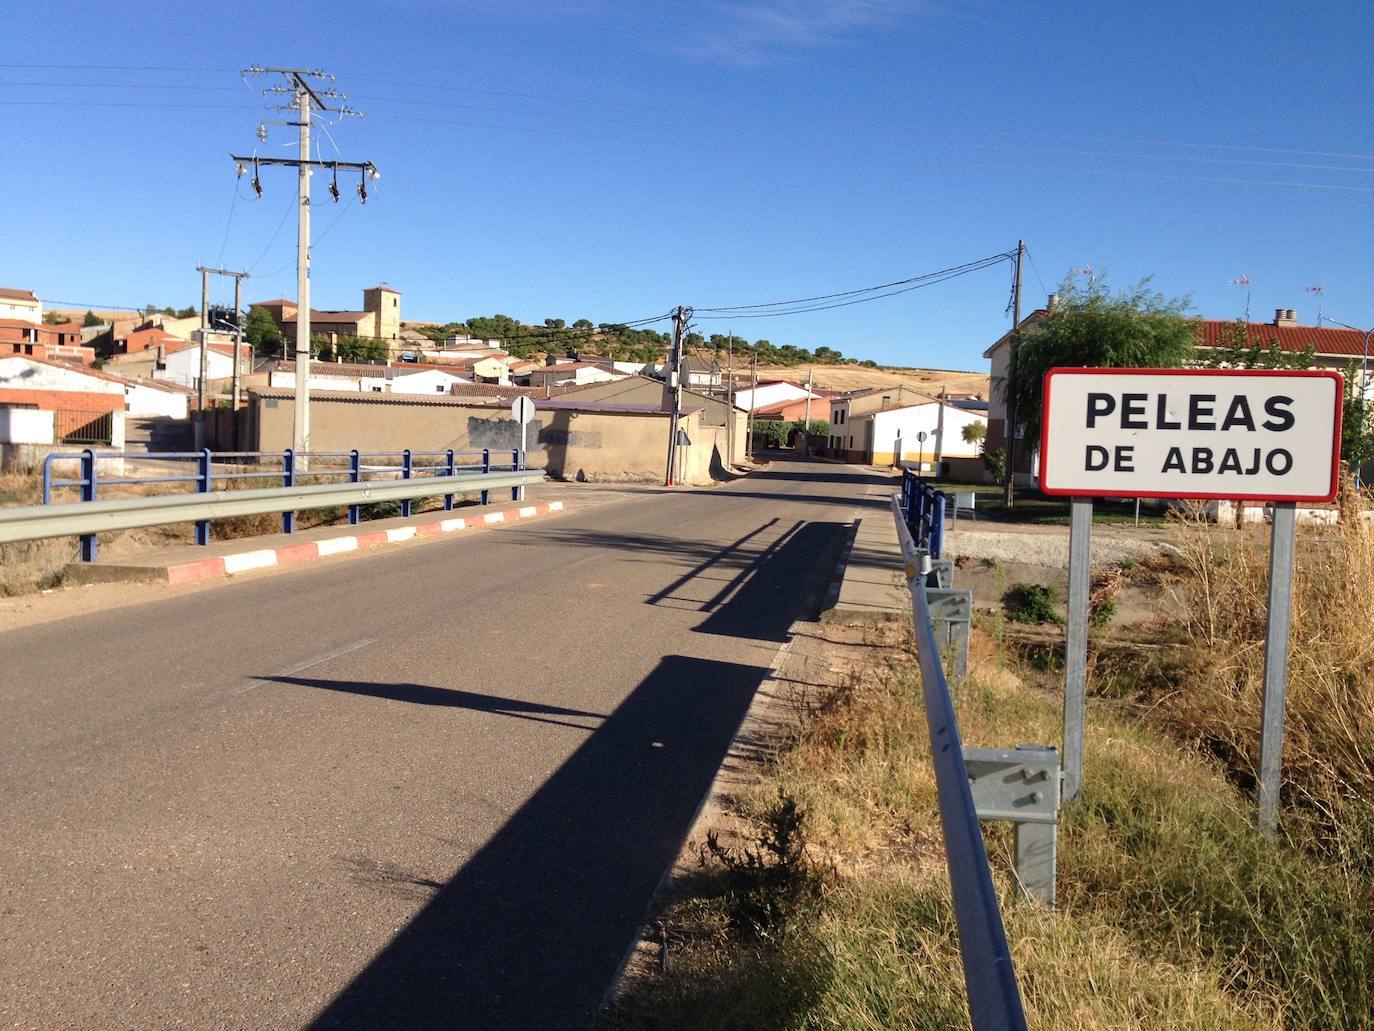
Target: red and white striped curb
x,y
266,558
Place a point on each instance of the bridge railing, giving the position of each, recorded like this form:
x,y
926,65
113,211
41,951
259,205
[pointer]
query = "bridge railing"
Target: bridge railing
x,y
924,509
334,478
1020,785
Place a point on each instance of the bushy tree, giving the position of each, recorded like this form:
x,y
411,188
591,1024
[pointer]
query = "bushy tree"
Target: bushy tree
x,y
1096,328
91,319
261,332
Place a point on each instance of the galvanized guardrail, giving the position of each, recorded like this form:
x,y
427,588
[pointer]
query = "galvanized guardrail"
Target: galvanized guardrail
x,y
404,482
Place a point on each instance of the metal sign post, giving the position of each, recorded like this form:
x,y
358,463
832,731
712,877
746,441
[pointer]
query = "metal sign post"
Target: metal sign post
x,y
1236,435
523,410
1076,643
921,454
1276,663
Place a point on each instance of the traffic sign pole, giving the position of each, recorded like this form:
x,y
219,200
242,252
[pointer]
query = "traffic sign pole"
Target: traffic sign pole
x,y
1276,664
1076,643
522,408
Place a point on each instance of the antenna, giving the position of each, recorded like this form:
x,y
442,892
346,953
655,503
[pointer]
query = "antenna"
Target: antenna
x,y
1319,290
1243,280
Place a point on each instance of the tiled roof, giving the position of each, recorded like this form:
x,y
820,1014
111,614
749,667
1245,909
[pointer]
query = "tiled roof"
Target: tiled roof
x,y
1343,342
17,295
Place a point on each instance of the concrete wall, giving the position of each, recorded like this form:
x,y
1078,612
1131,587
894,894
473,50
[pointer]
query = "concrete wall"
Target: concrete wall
x,y
573,445
25,426
143,400
905,423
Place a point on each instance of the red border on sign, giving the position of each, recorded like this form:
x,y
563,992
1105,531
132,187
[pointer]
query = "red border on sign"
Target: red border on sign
x,y
1253,373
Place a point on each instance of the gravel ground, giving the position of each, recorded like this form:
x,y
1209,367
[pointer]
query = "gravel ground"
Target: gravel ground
x,y
1045,549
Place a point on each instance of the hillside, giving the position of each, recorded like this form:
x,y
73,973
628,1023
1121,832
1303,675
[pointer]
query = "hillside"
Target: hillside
x,y
853,377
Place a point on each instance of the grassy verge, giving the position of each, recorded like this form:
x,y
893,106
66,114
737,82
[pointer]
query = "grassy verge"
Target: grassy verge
x,y
1173,912
1038,509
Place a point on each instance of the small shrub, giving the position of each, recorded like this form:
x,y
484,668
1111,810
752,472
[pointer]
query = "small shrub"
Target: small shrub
x,y
769,885
1031,603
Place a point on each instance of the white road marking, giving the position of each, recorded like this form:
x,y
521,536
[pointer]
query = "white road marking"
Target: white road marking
x,y
250,560
494,517
337,545
256,682
400,533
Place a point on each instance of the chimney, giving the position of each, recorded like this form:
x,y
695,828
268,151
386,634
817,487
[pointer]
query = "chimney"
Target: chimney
x,y
1052,303
1285,316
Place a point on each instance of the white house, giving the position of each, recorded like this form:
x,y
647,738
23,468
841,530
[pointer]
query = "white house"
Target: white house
x,y
424,381
893,435
771,393
183,366
20,304
156,399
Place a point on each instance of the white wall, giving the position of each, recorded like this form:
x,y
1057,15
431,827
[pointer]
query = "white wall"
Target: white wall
x,y
20,373
152,401
769,394
907,422
28,311
183,367
25,426
286,378
430,381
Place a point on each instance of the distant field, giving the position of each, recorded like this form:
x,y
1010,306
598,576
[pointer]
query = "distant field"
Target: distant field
x,y
850,377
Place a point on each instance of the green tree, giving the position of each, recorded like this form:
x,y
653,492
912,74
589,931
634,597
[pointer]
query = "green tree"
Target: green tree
x,y
975,433
583,324
91,319
1095,328
261,332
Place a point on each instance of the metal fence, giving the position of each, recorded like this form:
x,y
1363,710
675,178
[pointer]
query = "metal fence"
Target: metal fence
x,y
75,426
210,487
1021,785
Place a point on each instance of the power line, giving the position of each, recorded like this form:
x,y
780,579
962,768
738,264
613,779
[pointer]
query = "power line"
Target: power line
x,y
754,115
1043,288
980,263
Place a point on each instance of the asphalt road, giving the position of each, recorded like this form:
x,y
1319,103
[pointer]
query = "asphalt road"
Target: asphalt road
x,y
433,786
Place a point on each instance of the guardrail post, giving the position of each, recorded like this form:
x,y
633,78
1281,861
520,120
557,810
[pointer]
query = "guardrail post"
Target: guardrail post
x,y
288,479
203,474
515,467
47,479
88,493
937,526
486,468
918,512
449,471
355,474
405,475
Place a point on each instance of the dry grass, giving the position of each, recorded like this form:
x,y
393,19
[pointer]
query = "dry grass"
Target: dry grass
x,y
1328,754
855,377
1173,912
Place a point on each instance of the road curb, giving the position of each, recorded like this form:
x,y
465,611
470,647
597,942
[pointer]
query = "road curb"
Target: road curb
x,y
252,559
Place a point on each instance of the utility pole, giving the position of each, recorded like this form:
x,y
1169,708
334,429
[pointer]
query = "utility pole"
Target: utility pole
x,y
810,376
730,401
753,403
305,100
673,387
1009,473
201,429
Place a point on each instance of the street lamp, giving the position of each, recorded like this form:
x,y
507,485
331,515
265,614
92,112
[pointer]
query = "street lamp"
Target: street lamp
x,y
1364,383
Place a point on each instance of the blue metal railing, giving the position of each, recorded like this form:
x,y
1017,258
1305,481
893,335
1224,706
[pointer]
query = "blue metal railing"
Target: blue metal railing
x,y
923,508
280,467
994,998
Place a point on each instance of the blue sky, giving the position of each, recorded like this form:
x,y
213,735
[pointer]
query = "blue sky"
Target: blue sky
x,y
609,161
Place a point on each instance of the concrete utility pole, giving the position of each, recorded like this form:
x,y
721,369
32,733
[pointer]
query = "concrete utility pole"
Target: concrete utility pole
x,y
810,376
202,428
753,403
1009,473
730,400
305,100
673,387
940,430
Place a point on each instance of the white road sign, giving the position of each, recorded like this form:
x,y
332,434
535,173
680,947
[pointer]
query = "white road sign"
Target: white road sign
x,y
523,410
1191,433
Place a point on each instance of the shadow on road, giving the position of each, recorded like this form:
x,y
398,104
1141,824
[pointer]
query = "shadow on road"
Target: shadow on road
x,y
423,694
530,931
